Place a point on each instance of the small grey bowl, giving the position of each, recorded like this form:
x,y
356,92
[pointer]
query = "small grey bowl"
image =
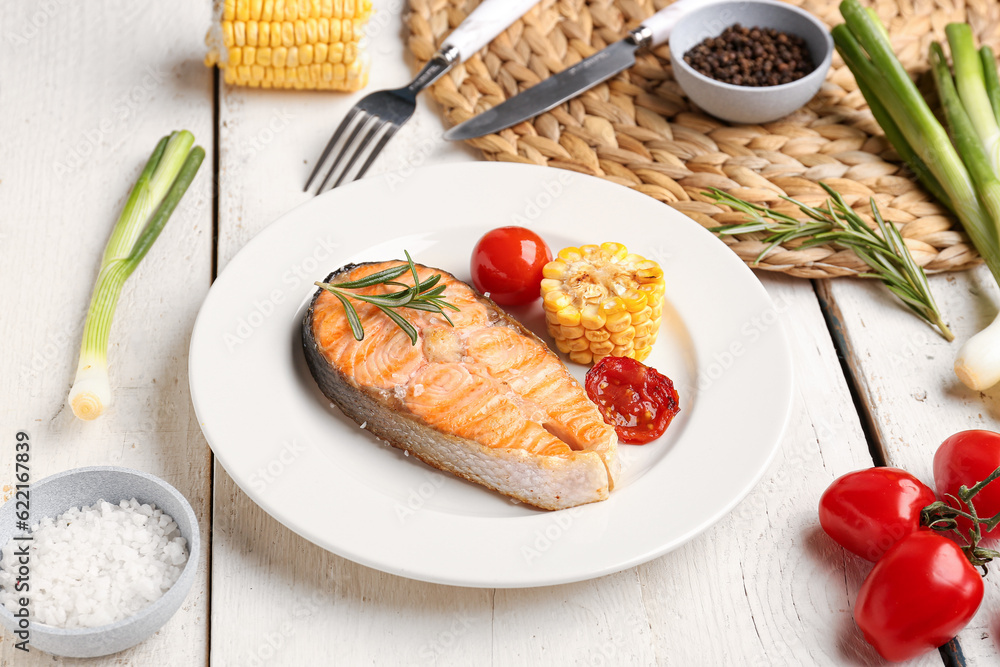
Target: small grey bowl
x,y
54,495
748,104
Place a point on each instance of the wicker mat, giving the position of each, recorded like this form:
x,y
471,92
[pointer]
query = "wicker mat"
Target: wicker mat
x,y
639,130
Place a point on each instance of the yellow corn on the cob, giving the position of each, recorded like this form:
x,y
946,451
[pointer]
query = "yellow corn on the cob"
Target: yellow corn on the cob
x,y
602,300
305,44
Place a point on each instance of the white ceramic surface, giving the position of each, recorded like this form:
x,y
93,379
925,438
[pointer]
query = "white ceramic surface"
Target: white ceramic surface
x,y
330,481
747,104
54,495
486,21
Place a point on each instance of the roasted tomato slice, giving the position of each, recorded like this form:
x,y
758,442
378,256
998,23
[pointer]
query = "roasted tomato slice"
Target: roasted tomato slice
x,y
634,398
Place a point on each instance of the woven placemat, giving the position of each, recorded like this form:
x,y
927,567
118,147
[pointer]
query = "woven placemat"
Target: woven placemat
x,y
639,129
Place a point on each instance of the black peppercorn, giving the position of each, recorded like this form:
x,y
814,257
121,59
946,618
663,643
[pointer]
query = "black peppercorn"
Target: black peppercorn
x,y
751,57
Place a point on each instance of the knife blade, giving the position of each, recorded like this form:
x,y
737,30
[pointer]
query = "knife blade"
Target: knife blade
x,y
578,78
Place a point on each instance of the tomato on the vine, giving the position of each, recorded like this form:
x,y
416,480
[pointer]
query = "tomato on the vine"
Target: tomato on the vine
x,y
867,511
966,458
637,400
507,265
918,596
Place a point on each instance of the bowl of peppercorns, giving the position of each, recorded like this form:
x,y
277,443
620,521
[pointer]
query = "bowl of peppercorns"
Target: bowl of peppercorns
x,y
750,61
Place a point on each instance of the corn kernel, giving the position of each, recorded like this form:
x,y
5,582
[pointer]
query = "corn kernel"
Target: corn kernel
x,y
618,322
584,357
623,337
578,344
556,300
622,350
554,270
561,345
570,254
571,332
569,316
641,354
603,348
634,300
549,285
593,317
612,306
597,335
614,251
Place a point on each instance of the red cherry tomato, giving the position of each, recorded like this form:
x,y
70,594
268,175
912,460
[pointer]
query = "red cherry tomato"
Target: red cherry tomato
x,y
919,595
867,511
966,458
507,265
637,400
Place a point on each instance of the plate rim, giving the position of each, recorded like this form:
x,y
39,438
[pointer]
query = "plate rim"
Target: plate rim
x,y
440,173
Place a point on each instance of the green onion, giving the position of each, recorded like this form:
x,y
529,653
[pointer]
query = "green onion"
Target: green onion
x,y
163,181
969,79
967,170
992,82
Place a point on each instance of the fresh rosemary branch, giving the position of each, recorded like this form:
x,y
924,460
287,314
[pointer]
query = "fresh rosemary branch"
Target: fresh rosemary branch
x,y
426,295
884,251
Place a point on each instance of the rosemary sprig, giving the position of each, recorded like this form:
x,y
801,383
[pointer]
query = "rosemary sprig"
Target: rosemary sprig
x,y
884,251
426,295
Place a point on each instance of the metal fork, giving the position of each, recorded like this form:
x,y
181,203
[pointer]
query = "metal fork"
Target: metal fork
x,y
382,113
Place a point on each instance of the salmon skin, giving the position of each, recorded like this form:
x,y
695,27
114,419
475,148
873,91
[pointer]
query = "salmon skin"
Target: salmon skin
x,y
485,400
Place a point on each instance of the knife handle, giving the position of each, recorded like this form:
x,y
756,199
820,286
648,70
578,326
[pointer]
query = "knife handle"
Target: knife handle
x,y
662,23
486,22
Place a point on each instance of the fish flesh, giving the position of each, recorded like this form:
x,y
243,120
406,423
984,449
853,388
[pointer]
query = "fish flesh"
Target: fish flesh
x,y
484,399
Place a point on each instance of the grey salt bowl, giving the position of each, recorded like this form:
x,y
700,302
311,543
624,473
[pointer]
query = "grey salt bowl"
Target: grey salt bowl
x,y
747,104
54,495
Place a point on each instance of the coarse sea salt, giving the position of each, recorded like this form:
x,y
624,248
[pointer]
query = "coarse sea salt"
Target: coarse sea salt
x,y
96,565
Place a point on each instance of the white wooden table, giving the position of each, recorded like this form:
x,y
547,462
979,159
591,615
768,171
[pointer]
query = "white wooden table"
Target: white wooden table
x,y
85,92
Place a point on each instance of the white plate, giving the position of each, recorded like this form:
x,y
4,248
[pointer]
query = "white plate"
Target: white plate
x,y
334,484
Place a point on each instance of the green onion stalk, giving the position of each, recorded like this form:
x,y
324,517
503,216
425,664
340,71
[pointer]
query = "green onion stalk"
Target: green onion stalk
x,y
160,187
960,170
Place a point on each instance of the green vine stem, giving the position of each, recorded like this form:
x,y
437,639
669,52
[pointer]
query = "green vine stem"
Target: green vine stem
x,y
942,517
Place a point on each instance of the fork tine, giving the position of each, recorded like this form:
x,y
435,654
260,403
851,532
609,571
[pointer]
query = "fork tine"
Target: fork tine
x,y
329,146
347,148
393,128
361,149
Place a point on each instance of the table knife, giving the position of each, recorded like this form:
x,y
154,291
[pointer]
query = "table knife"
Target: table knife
x,y
580,77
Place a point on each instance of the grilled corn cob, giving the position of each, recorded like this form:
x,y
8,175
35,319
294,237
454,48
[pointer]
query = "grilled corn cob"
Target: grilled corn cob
x,y
310,44
601,301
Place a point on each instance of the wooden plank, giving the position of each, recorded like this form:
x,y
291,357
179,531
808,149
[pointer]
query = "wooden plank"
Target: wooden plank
x,y
766,586
90,90
301,605
904,375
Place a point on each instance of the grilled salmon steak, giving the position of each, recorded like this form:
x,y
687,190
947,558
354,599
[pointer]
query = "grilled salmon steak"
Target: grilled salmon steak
x,y
484,399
